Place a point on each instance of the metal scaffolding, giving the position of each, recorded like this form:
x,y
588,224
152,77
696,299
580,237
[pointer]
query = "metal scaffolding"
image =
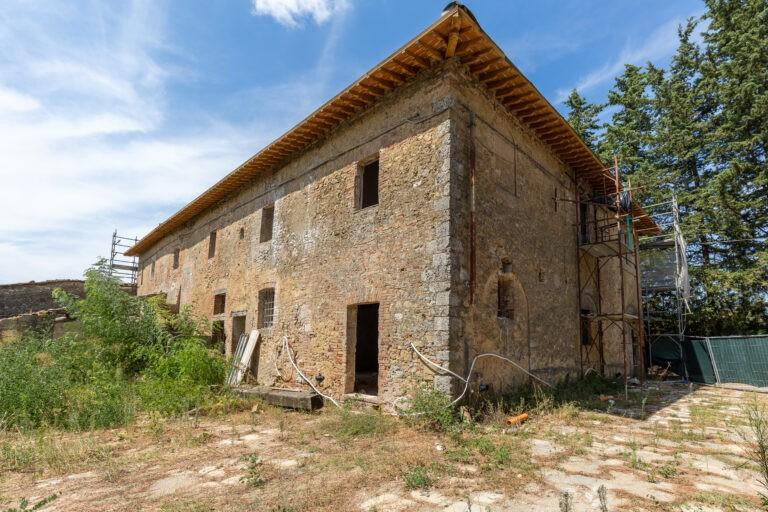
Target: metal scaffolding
x,y
123,267
607,235
664,277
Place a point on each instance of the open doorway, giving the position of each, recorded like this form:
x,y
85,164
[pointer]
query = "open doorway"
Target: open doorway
x,y
238,329
366,328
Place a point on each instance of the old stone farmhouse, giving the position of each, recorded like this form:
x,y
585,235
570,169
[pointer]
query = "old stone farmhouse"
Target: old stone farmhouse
x,y
439,201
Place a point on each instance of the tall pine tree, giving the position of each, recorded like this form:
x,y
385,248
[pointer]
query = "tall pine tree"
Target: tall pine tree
x,y
583,117
699,130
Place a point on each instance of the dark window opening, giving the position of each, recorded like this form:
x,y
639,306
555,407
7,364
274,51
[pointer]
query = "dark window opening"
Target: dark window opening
x,y
212,245
267,223
266,307
506,297
584,223
586,335
242,233
176,254
369,184
152,270
218,337
219,303
367,349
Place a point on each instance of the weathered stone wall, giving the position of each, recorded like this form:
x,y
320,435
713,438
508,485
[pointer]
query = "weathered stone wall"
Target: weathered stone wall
x,y
21,298
524,234
327,255
410,253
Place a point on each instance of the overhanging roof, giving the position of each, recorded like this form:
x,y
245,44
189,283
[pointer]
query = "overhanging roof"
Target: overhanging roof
x,y
456,34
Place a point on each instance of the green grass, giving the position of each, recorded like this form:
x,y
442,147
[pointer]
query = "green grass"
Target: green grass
x,y
348,424
417,478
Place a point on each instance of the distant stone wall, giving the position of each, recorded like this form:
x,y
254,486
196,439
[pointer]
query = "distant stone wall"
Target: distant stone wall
x,y
21,298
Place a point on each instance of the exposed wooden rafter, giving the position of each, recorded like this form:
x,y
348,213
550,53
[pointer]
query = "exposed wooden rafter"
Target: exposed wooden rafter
x,y
455,34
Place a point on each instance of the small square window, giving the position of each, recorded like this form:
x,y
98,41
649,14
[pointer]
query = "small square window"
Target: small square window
x,y
266,307
212,245
176,254
369,184
219,303
267,223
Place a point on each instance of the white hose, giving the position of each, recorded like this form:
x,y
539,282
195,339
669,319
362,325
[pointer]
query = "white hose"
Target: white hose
x,y
298,370
472,367
435,365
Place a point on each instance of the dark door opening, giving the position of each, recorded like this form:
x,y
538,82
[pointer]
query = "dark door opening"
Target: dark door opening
x,y
238,328
367,350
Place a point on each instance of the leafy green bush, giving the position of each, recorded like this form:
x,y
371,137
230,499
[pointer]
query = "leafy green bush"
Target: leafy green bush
x,y
63,383
130,354
432,409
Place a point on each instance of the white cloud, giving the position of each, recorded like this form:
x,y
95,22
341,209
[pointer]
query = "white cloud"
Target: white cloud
x,y
14,101
84,142
291,12
89,142
661,44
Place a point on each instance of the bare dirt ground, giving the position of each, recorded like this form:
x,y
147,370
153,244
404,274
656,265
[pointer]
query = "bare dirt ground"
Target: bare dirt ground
x,y
672,448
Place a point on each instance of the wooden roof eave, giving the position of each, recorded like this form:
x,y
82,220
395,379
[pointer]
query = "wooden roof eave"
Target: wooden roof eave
x,y
455,33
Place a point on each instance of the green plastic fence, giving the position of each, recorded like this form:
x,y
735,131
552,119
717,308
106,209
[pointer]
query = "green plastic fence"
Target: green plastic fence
x,y
720,359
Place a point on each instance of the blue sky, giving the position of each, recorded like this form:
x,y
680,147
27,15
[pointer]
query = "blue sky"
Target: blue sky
x,y
115,114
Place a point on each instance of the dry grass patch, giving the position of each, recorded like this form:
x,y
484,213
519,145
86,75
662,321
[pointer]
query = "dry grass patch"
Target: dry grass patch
x,y
42,451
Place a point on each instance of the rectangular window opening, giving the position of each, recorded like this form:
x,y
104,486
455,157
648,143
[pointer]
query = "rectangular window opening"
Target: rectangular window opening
x,y
367,349
266,307
506,299
267,223
586,331
152,270
176,254
212,245
219,303
584,223
369,184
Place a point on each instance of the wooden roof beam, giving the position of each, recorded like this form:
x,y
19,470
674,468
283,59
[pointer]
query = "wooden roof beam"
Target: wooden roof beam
x,y
327,114
378,91
512,100
424,63
477,68
530,110
453,37
408,68
490,74
475,56
431,50
388,84
464,46
364,96
542,114
353,103
398,77
495,84
547,122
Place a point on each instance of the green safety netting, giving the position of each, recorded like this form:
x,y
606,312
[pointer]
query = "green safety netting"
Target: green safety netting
x,y
718,359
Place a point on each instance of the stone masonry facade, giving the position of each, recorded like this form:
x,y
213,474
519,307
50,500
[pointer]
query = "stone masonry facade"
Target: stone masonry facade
x,y
469,202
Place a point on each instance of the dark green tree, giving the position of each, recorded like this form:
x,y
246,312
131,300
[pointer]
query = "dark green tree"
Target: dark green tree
x,y
583,117
699,130
735,72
